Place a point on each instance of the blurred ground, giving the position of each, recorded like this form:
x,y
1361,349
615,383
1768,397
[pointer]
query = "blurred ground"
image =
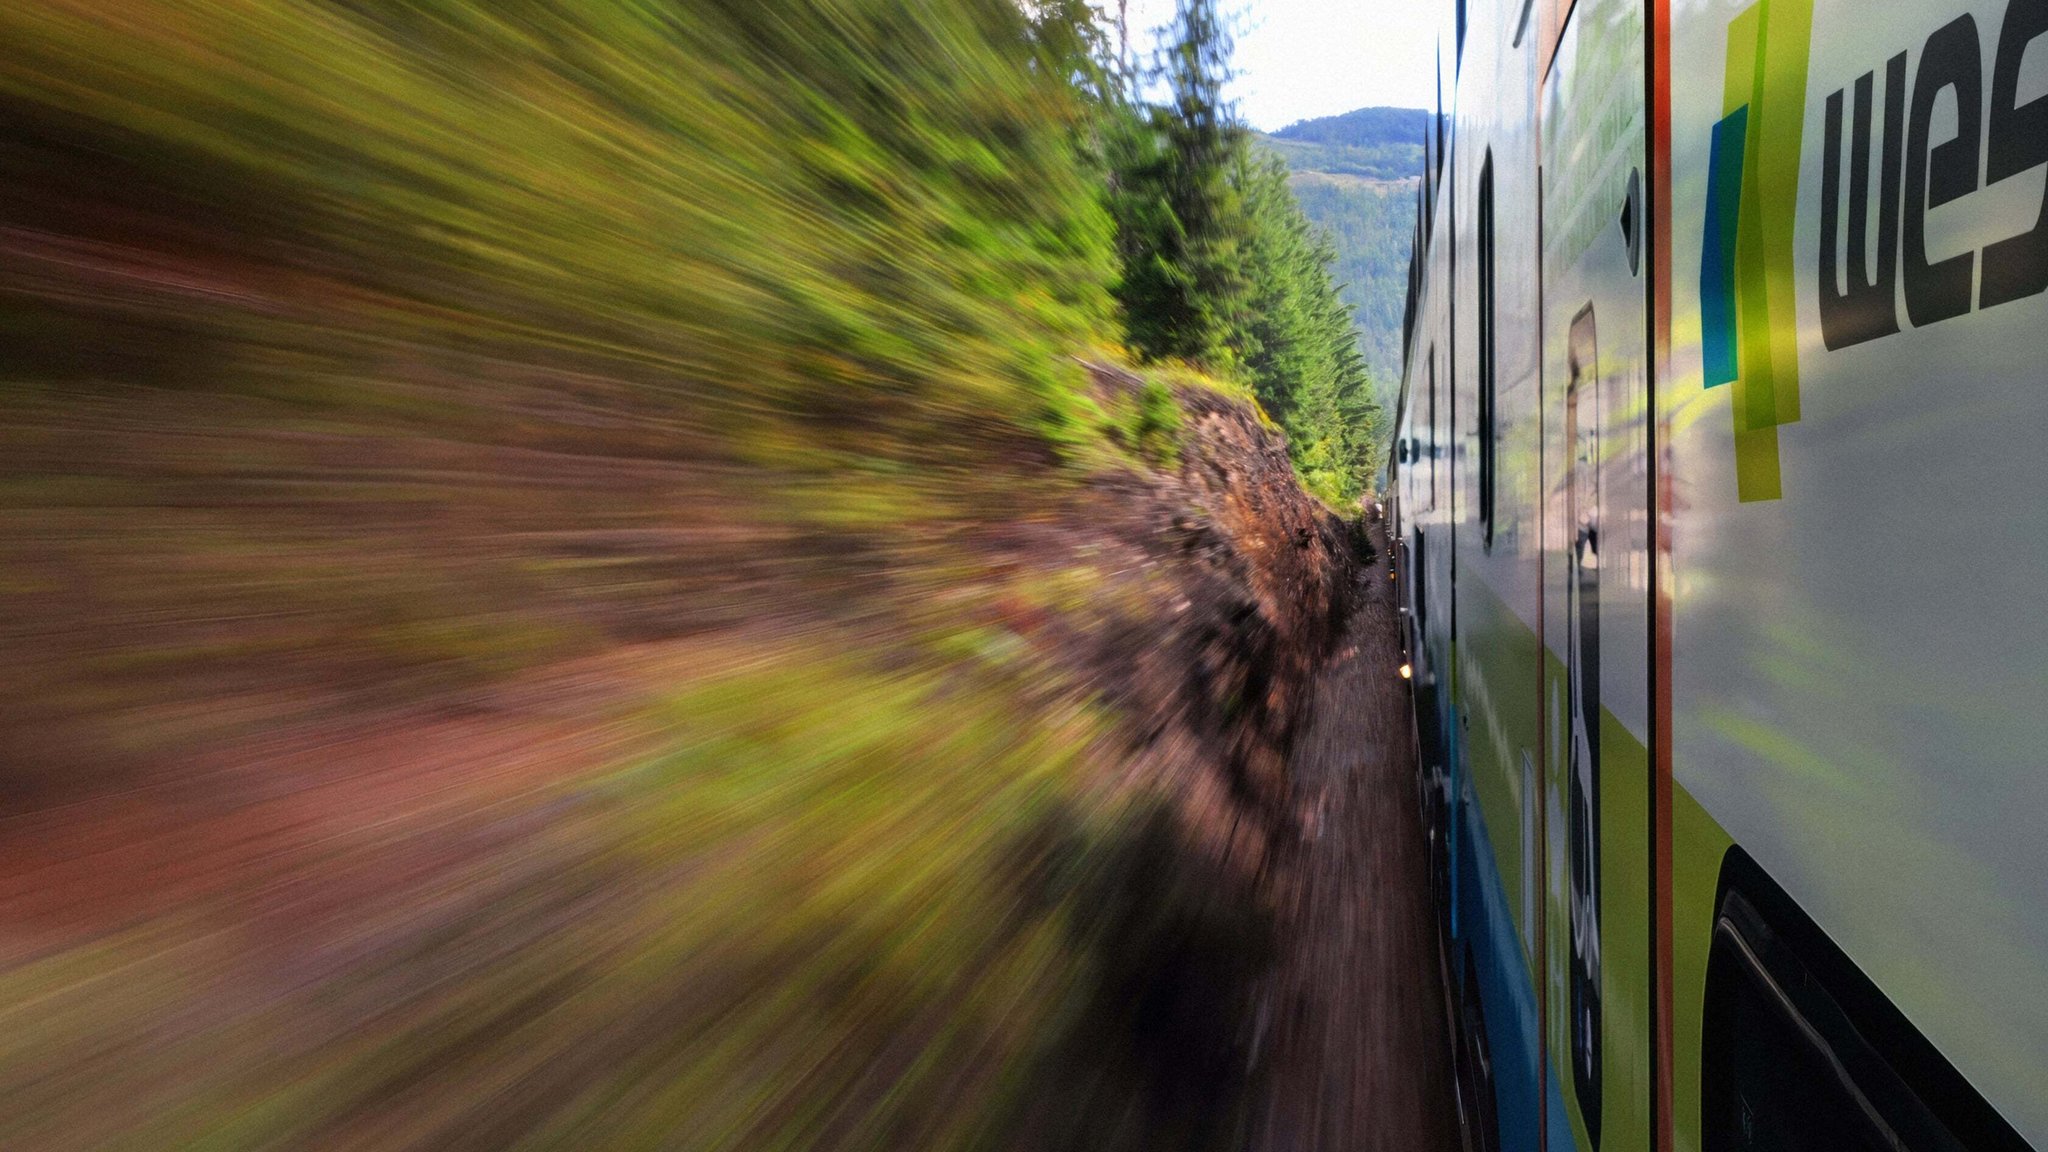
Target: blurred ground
x,y
1358,1054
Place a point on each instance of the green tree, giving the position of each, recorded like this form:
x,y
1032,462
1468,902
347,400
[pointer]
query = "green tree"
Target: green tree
x,y
1179,216
1219,267
1297,339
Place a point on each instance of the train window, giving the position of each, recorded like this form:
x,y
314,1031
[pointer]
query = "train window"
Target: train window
x,y
1582,676
1437,180
1419,588
1432,428
1801,1051
1487,430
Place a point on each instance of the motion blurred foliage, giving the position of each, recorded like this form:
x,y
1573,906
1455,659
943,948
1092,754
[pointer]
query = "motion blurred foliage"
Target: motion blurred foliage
x,y
397,333
490,652
517,527
859,216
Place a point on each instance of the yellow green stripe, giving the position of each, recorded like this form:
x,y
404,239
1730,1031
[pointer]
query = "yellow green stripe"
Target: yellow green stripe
x,y
1768,45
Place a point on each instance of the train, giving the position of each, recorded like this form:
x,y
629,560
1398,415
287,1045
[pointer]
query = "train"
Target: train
x,y
1720,521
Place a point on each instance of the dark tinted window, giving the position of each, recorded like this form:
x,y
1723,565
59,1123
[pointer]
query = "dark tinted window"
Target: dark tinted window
x,y
1802,1053
1432,428
1419,585
1488,434
1582,664
1774,1090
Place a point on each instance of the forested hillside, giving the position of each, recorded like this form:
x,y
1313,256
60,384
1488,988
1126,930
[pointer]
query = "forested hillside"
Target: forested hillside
x,y
1374,128
1354,176
1220,267
1375,143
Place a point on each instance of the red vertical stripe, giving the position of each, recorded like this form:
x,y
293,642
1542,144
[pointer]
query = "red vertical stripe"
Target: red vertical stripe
x,y
1661,376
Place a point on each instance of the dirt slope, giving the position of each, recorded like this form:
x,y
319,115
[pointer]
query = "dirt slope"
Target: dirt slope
x,y
1272,980
1025,791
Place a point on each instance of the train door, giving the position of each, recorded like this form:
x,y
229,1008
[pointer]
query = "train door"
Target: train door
x,y
1582,695
1596,573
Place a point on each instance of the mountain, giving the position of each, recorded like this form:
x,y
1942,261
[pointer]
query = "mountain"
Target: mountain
x,y
1365,128
1355,177
1376,143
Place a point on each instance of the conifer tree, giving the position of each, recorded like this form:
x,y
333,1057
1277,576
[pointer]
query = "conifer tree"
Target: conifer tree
x,y
1179,216
1220,267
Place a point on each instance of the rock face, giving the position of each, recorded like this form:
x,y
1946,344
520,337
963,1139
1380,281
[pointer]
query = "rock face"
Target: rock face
x,y
1228,588
1266,964
1256,581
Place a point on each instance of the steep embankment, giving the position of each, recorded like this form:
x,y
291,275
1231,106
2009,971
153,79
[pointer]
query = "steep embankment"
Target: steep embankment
x,y
1265,941
965,833
1257,579
1229,588
562,589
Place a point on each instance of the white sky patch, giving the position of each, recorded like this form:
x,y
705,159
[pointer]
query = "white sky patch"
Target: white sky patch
x,y
1300,59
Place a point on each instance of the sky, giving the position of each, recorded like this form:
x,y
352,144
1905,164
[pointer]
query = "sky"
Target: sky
x,y
1305,58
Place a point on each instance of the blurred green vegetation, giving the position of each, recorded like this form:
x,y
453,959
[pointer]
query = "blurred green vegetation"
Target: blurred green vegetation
x,y
813,914
303,304
760,214
381,379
